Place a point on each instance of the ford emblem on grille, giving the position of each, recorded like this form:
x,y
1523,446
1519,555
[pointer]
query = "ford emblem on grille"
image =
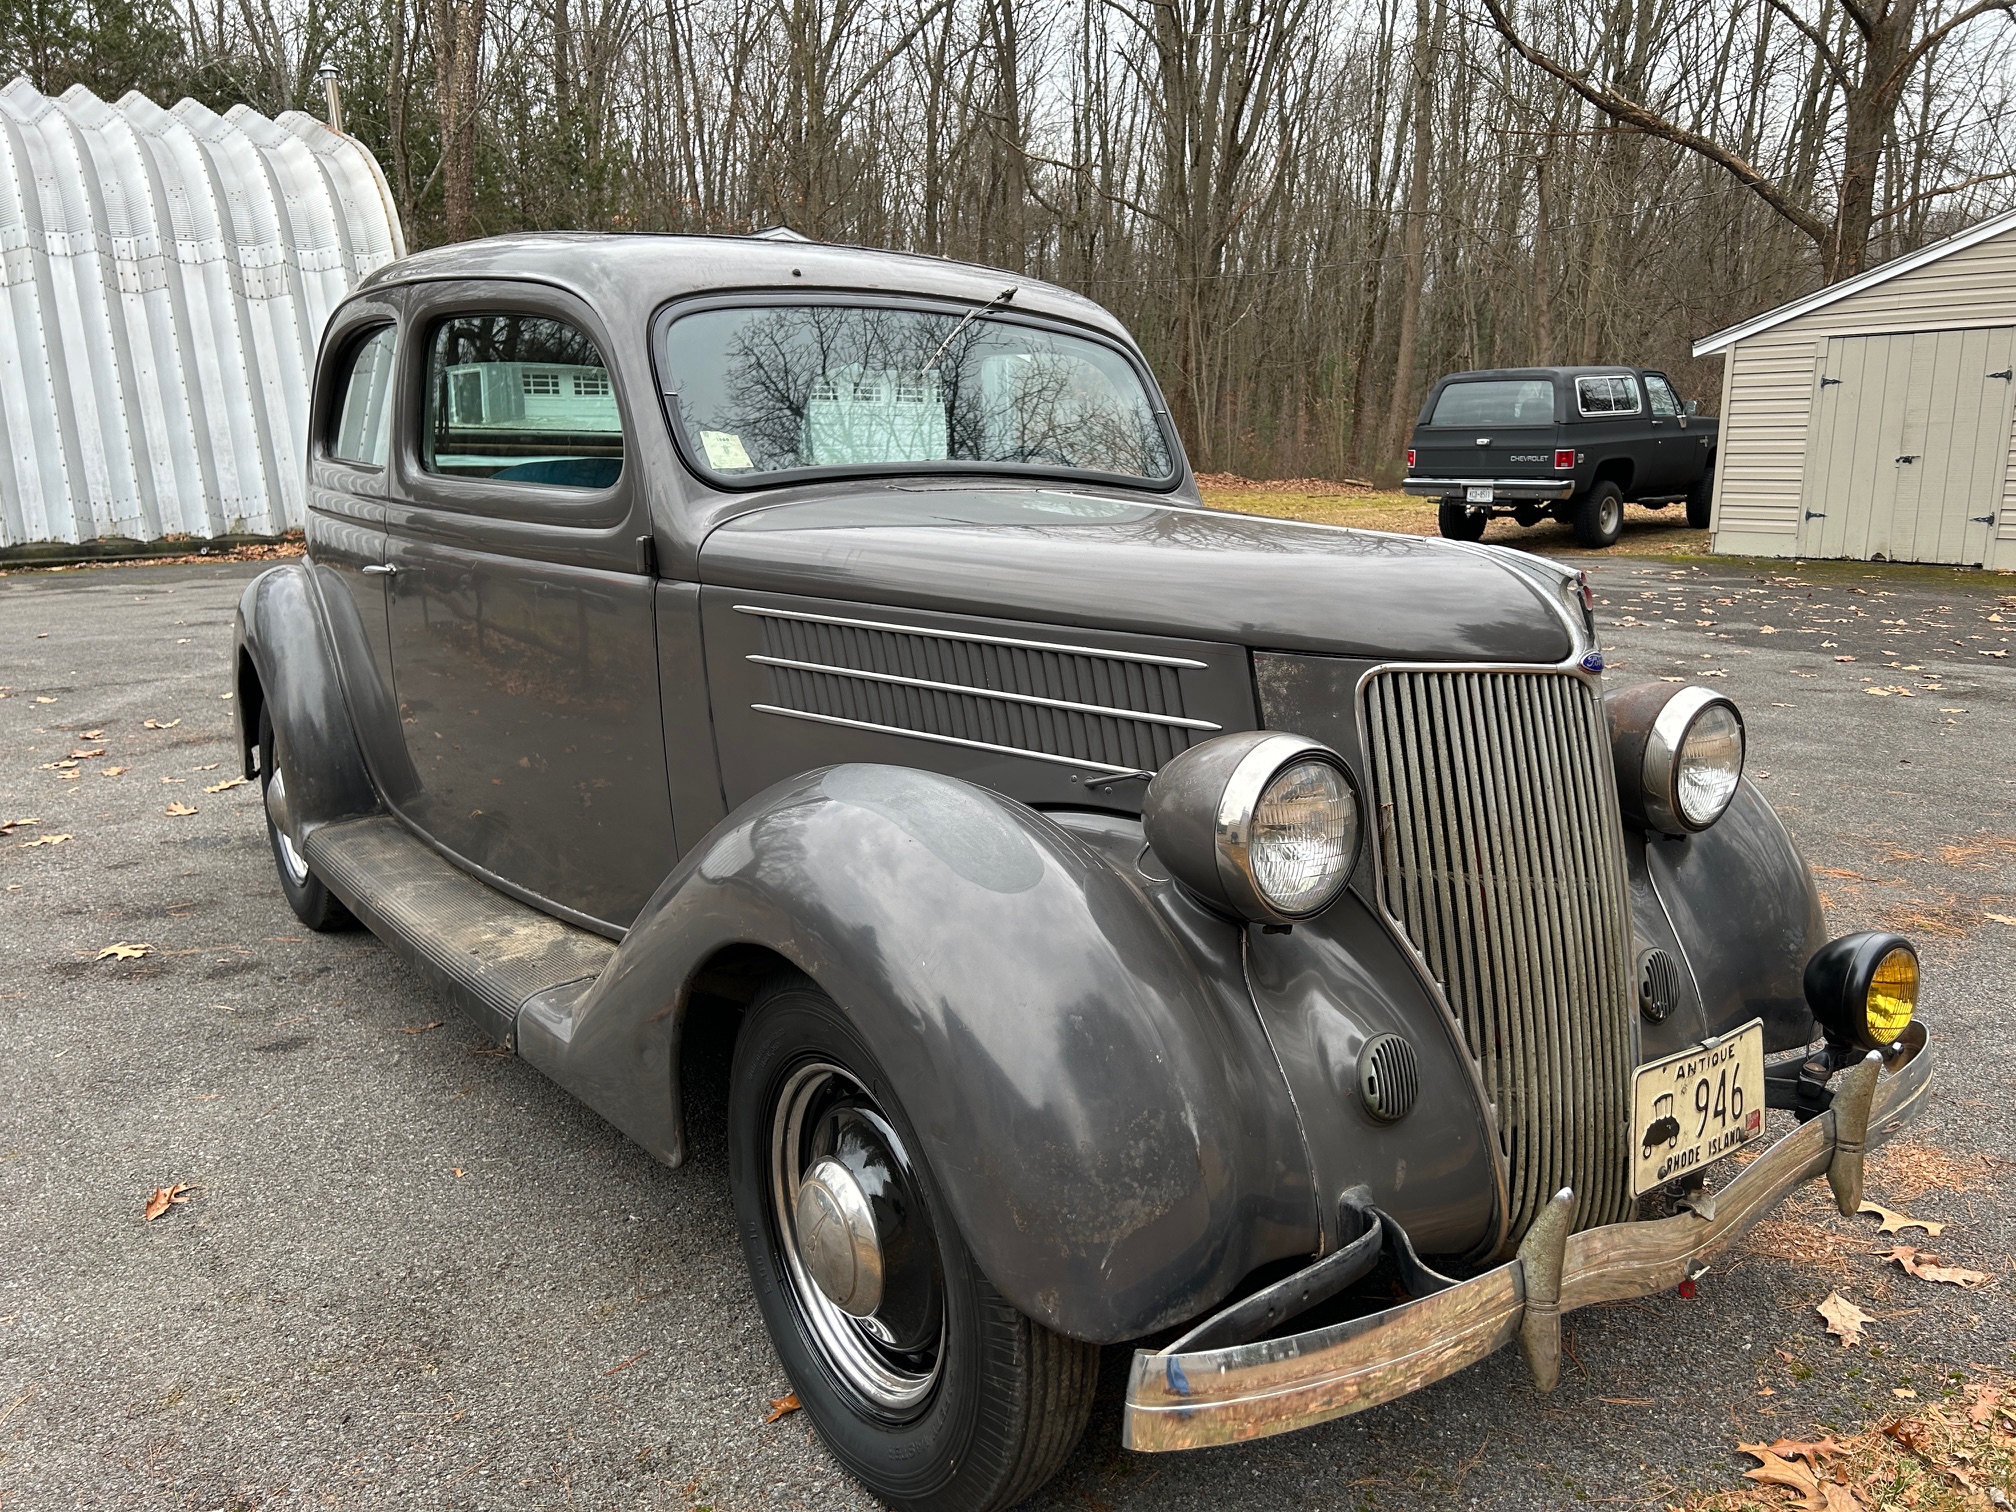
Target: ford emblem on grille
x,y
1593,662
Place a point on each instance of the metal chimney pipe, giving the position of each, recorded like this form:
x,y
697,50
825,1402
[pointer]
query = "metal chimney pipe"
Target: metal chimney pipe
x,y
334,94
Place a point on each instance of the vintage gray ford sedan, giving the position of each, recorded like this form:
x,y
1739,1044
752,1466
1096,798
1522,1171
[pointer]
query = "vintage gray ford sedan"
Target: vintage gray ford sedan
x,y
1135,922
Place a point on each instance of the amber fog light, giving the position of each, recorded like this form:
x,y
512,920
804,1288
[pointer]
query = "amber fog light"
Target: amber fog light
x,y
1863,988
1262,825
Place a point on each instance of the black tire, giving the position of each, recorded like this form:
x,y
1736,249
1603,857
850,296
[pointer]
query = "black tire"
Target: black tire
x,y
1599,515
999,1401
1701,499
312,902
1459,524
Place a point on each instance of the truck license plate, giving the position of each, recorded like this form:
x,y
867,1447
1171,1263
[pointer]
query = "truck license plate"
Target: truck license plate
x,y
1476,495
1691,1109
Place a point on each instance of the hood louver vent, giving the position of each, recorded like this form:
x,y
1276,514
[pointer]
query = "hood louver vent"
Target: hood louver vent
x,y
1080,706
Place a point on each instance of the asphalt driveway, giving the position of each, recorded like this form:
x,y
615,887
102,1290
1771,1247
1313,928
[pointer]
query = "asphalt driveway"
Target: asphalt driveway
x,y
410,1272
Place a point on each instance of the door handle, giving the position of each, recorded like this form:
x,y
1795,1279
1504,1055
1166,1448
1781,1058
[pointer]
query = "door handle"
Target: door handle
x,y
1912,458
381,569
2009,373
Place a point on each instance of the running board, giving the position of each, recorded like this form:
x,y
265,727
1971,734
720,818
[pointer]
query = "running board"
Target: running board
x,y
488,953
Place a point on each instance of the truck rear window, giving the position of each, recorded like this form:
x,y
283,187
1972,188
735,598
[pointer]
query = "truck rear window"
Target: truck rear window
x,y
1496,401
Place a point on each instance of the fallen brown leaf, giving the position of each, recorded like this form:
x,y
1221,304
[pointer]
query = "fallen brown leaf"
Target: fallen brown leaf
x,y
87,755
1929,1269
1893,1222
163,1199
2000,918
9,826
121,951
113,771
155,724
421,1028
228,782
178,811
779,1406
1981,1404
1812,1453
1776,1471
1844,1319
45,840
93,734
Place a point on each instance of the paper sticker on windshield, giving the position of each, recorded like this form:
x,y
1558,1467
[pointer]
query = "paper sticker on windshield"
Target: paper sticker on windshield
x,y
724,450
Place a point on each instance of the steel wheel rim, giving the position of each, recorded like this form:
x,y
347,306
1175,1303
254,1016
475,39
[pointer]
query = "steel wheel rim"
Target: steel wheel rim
x,y
882,1380
292,862
1612,516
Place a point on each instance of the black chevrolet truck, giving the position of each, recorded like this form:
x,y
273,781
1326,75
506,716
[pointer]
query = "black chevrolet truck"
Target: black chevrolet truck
x,y
1564,443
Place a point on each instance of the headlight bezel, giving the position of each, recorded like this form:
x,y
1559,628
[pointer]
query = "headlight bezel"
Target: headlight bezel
x,y
1650,725
1200,810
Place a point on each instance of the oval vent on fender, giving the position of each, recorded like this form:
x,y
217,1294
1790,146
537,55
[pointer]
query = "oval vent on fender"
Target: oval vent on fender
x,y
1658,984
1389,1077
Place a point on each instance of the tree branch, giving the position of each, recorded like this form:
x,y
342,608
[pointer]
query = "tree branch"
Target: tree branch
x,y
1630,113
1813,35
1966,183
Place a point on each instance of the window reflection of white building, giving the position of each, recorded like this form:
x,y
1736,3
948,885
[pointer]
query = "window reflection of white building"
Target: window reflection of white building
x,y
858,414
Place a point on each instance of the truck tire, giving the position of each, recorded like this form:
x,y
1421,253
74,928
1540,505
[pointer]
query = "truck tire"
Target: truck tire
x,y
924,1380
1459,524
1701,499
1599,515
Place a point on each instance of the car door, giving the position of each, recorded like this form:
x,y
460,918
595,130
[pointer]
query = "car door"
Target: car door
x,y
348,475
1672,449
520,604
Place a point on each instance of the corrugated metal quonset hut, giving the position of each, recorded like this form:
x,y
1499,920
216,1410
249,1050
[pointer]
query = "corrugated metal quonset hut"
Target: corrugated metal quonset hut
x,y
165,276
1872,419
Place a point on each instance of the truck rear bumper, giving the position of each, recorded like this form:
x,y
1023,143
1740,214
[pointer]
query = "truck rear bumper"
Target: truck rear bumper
x,y
1246,1391
1503,490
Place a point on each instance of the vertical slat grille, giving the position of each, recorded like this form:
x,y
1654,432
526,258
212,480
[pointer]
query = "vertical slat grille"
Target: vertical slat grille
x,y
1501,858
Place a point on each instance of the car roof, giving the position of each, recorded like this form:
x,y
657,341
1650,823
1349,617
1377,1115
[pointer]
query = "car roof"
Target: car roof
x,y
1606,369
644,270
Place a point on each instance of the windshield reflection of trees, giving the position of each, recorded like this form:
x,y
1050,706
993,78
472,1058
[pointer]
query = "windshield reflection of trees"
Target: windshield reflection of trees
x,y
1009,393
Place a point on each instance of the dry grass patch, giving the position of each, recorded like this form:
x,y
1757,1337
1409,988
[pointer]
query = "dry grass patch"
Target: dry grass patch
x,y
1317,501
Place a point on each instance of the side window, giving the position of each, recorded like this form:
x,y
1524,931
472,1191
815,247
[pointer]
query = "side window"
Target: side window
x,y
1609,394
1665,403
520,399
362,434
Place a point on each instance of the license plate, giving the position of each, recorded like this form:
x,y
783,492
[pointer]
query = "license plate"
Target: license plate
x,y
1477,496
1691,1109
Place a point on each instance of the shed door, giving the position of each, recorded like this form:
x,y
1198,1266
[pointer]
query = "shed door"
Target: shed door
x,y
1910,438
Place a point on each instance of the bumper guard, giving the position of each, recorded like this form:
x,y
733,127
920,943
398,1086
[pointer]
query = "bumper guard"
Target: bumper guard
x,y
1187,1398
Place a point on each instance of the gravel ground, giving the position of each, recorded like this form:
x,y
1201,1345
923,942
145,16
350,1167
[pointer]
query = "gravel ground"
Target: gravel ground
x,y
411,1272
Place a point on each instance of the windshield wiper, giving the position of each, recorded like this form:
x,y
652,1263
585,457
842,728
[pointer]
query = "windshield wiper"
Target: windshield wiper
x,y
972,315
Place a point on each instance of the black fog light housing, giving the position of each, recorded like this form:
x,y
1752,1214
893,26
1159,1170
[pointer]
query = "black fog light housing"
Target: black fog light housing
x,y
1863,988
1258,824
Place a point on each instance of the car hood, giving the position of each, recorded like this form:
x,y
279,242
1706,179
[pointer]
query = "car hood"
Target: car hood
x,y
1080,558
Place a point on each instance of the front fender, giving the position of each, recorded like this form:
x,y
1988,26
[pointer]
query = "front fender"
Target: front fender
x,y
1747,918
278,633
1117,1144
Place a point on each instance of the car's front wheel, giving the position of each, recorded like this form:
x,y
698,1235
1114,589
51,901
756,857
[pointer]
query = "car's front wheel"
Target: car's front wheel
x,y
1599,515
306,893
923,1380
1460,524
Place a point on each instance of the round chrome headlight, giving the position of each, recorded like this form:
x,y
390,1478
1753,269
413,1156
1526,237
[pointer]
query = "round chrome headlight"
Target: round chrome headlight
x,y
1263,825
1679,754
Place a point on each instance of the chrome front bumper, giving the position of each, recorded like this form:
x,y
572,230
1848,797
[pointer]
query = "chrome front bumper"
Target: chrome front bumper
x,y
1221,1396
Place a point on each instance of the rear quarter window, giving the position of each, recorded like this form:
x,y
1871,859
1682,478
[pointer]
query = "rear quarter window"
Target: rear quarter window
x,y
1495,401
1607,394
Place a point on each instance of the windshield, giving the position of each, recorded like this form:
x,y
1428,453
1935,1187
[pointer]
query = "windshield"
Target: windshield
x,y
790,388
1496,401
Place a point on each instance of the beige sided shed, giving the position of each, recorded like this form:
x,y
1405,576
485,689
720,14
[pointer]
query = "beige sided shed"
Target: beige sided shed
x,y
1872,419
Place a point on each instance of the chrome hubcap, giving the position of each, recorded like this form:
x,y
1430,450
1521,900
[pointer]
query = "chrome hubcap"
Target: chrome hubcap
x,y
1613,515
860,1258
291,860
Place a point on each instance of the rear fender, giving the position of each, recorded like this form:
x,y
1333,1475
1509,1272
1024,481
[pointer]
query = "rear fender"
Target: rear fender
x,y
284,663
1117,1145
